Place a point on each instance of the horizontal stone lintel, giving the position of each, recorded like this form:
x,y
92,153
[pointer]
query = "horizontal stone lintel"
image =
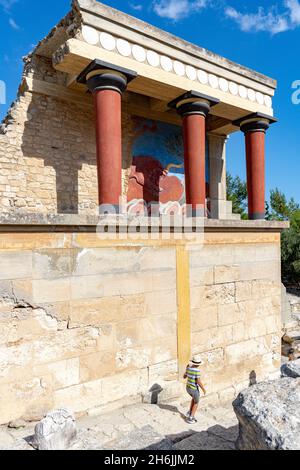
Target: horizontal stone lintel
x,y
80,223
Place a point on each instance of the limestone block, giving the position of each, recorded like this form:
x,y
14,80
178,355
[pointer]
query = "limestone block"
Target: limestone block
x,y
97,365
225,274
164,281
229,314
210,255
212,295
260,270
269,416
201,276
58,310
81,397
213,338
256,327
239,332
236,353
66,344
160,304
273,324
29,399
265,288
213,359
138,332
164,371
244,252
164,349
93,261
51,264
124,385
133,358
64,373
15,264
86,287
56,290
267,252
56,431
203,319
27,325
243,291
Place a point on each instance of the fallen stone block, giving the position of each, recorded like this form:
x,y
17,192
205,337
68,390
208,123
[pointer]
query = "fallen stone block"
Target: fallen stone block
x,y
291,369
269,416
56,431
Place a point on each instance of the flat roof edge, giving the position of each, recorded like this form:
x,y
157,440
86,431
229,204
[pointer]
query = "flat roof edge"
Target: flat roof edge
x,y
139,26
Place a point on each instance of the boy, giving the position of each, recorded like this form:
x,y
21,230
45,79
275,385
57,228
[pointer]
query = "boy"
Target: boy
x,y
192,375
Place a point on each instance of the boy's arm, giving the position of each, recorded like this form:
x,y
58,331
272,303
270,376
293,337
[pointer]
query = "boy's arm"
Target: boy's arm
x,y
201,386
185,375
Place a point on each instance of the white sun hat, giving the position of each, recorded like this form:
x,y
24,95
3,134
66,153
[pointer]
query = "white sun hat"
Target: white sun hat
x,y
196,360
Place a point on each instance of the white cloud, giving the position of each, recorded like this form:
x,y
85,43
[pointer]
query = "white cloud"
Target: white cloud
x,y
7,4
268,20
294,11
13,24
260,21
177,9
136,7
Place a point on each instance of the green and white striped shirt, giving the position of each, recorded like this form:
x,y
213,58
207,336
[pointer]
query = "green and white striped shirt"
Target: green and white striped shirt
x,y
193,374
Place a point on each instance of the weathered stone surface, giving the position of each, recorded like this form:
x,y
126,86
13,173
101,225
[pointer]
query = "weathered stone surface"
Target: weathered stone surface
x,y
56,431
269,416
141,439
291,369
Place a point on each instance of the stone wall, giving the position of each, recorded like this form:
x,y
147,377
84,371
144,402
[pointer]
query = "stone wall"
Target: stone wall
x,y
87,323
48,151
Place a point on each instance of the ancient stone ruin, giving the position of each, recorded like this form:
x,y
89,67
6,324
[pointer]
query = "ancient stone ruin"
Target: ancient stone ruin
x,y
111,107
269,416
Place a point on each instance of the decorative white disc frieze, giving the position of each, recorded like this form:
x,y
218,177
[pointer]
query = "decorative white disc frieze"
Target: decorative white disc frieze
x,y
166,63
153,58
90,35
140,54
107,41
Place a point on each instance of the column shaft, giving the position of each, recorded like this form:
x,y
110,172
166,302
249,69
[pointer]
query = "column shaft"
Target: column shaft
x,y
255,157
194,157
109,145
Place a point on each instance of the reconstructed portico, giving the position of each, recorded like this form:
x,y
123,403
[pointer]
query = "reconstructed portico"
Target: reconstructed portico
x,y
112,109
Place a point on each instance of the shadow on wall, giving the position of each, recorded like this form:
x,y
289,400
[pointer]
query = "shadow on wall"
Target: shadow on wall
x,y
62,135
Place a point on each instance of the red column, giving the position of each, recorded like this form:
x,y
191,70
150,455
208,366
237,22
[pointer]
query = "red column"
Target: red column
x,y
109,145
194,158
107,82
255,158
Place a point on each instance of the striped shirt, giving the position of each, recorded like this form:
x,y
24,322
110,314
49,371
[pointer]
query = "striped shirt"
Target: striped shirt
x,y
193,374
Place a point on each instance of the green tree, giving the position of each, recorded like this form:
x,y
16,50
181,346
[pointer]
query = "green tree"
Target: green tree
x,y
282,209
237,194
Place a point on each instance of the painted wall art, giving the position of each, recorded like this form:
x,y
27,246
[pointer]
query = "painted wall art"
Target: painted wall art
x,y
157,173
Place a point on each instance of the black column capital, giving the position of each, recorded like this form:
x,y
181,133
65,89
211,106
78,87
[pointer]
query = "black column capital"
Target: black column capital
x,y
255,122
193,102
99,75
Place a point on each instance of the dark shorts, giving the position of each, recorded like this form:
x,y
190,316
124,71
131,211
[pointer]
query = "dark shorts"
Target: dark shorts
x,y
195,394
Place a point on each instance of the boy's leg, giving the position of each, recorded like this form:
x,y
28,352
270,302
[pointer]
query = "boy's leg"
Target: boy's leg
x,y
194,409
192,406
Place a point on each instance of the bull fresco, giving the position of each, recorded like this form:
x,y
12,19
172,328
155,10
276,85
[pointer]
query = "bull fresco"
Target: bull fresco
x,y
157,172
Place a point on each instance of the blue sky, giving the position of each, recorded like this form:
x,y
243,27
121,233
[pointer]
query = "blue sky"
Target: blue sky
x,y
261,34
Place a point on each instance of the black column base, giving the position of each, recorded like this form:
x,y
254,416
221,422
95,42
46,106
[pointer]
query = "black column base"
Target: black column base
x,y
257,216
